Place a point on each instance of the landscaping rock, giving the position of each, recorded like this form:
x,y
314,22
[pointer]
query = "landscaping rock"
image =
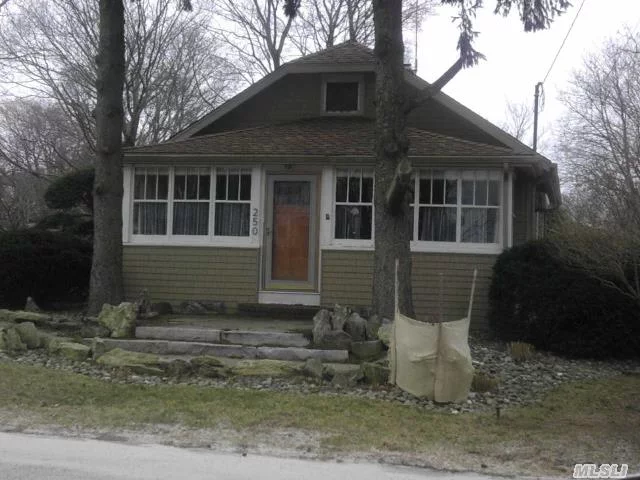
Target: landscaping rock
x,y
336,340
136,362
263,368
178,368
119,320
313,368
74,351
19,316
12,341
356,327
193,308
207,366
321,325
91,331
213,307
339,317
368,350
163,308
143,304
29,334
344,379
375,374
52,343
384,333
31,305
373,324
98,348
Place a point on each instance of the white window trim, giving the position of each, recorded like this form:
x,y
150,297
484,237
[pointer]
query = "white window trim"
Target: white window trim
x,y
335,78
458,246
210,240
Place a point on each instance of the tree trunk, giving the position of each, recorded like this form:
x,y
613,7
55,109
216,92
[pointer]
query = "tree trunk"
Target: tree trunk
x,y
392,225
106,269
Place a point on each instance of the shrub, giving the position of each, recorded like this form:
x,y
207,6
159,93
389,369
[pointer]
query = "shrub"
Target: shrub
x,y
51,267
536,298
71,190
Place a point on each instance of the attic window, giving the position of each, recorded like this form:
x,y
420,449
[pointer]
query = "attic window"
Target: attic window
x,y
342,97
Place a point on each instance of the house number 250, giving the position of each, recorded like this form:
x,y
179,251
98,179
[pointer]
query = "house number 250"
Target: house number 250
x,y
254,222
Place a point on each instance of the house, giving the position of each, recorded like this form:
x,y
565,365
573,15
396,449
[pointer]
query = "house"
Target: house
x,y
268,198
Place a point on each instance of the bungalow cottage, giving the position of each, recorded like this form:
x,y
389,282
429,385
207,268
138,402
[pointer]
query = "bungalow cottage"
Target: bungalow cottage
x,y
268,198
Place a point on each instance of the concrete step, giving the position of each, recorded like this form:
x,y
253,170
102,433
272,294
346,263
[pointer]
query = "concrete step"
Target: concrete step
x,y
234,337
172,347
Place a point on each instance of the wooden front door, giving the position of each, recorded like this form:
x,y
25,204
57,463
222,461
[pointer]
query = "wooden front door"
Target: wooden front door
x,y
290,237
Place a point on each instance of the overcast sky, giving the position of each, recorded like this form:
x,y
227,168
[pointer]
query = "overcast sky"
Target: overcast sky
x,y
516,61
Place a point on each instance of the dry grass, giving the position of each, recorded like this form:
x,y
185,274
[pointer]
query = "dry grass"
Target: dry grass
x,y
520,351
582,422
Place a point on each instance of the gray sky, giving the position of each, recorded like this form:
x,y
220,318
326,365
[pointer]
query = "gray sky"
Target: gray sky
x,y
516,61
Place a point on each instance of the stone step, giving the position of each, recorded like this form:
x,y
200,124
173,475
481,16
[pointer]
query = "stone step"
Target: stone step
x,y
234,337
173,347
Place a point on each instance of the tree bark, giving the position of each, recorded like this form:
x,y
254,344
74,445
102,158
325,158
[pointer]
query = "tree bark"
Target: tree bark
x,y
106,269
392,225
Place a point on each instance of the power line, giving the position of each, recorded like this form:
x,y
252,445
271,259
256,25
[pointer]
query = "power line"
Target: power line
x,y
564,41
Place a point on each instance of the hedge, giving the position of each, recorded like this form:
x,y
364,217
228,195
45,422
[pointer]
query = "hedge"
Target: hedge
x,y
536,298
51,267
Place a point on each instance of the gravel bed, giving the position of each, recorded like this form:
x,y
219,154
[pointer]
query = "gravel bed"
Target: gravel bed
x,y
520,383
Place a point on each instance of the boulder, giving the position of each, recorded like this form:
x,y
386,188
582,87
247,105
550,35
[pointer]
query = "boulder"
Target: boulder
x,y
73,351
374,373
91,331
368,350
119,320
313,368
384,333
98,348
344,378
193,308
135,362
31,306
321,325
29,334
12,341
3,344
207,366
373,324
356,326
212,306
178,368
52,343
335,340
19,316
339,317
263,368
163,308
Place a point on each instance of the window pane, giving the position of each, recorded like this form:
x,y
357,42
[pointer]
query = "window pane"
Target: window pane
x,y
479,225
150,218
234,187
163,187
221,187
192,187
451,192
410,222
232,219
467,192
437,224
425,190
494,193
353,222
342,97
341,189
354,189
138,187
151,187
367,189
438,191
205,187
179,187
481,192
245,187
191,218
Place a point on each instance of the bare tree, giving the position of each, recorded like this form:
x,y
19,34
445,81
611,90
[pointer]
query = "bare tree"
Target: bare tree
x,y
21,199
518,121
49,49
600,138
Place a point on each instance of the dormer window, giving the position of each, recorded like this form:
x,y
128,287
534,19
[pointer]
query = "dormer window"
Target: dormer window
x,y
343,95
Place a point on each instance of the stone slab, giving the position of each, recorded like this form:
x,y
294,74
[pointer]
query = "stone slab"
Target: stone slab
x,y
179,333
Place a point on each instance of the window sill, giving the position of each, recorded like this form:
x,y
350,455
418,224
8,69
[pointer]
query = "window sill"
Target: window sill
x,y
165,241
446,247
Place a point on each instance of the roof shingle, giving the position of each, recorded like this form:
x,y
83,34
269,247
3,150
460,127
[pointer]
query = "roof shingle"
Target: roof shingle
x,y
347,52
324,136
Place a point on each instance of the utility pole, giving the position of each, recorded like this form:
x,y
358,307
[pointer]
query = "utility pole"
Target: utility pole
x,y
536,105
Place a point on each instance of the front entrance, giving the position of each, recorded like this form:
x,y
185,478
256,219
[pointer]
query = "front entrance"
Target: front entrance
x,y
290,233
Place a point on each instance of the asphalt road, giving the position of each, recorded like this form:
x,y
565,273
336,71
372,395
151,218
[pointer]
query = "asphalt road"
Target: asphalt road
x,y
29,457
